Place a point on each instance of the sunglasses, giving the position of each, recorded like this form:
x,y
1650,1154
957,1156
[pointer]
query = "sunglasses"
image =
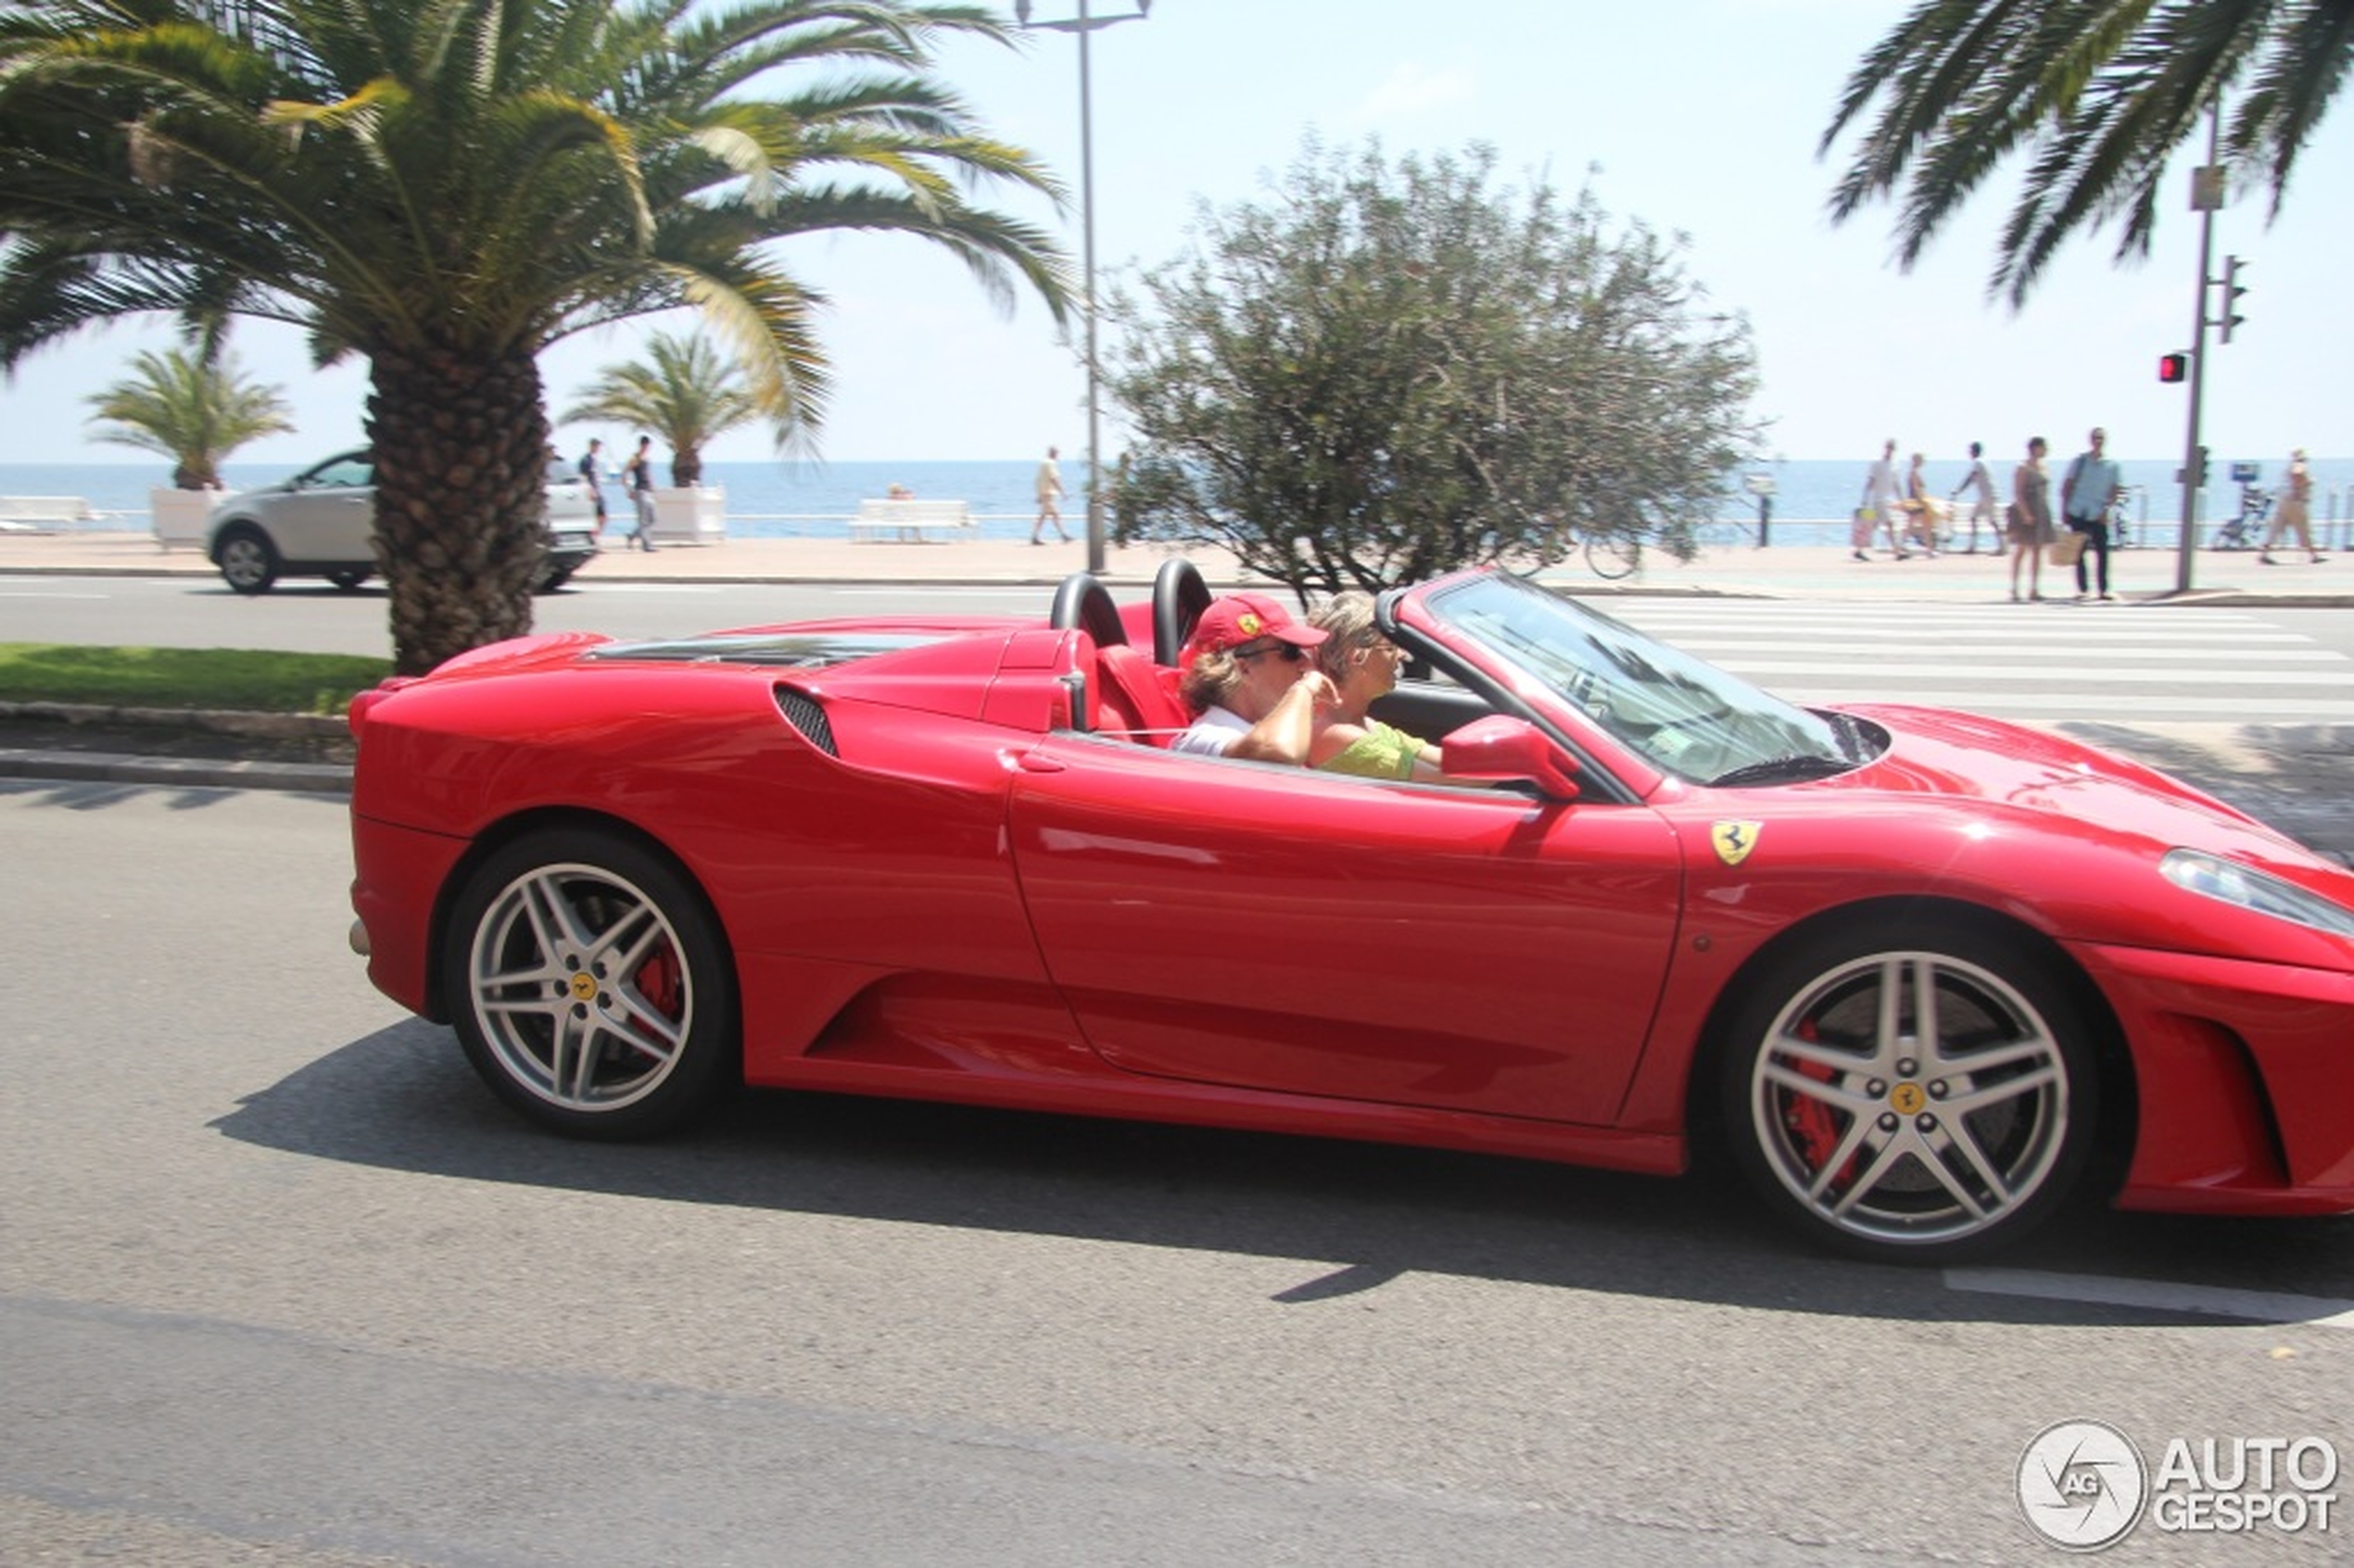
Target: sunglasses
x,y
1283,651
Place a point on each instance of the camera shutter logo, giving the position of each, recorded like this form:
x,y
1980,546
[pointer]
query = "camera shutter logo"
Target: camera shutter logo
x,y
2082,1486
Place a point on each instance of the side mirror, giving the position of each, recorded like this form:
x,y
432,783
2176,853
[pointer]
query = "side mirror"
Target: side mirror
x,y
1500,749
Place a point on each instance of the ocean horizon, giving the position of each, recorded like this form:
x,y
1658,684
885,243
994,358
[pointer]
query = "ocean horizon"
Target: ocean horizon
x,y
1812,497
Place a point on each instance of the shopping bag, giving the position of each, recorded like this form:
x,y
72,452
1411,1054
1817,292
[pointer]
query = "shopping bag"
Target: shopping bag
x,y
2067,550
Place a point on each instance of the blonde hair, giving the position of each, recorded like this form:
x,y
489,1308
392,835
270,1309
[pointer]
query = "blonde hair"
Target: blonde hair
x,y
1347,619
1210,679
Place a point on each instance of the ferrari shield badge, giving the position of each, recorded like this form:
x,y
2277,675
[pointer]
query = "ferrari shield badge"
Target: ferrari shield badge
x,y
1735,839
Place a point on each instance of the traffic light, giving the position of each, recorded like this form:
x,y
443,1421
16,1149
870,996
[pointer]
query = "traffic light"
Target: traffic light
x,y
2233,289
2173,367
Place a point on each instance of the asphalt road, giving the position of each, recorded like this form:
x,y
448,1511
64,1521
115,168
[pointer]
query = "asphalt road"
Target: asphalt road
x,y
281,1285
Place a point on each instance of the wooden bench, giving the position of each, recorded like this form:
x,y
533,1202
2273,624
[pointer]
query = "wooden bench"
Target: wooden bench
x,y
913,522
22,513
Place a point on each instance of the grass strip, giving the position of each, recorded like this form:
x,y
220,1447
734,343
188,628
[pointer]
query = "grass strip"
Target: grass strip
x,y
250,680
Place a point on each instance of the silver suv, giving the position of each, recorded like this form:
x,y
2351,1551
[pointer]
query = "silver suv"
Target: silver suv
x,y
320,523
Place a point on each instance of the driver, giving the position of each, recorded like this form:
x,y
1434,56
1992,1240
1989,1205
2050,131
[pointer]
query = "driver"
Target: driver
x,y
1251,682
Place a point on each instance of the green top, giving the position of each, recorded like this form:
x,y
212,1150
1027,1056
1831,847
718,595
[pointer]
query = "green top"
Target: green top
x,y
1381,753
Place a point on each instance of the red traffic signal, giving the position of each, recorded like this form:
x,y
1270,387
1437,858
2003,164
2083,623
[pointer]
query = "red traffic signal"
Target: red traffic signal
x,y
2173,367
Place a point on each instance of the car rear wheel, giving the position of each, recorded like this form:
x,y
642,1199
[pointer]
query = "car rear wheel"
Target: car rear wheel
x,y
591,986
347,580
1919,1103
248,562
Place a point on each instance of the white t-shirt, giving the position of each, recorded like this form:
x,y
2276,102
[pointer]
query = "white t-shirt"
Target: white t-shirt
x,y
1212,734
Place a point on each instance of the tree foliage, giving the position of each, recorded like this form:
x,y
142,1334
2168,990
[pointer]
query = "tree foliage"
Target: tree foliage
x,y
193,408
2096,94
1384,372
446,186
682,391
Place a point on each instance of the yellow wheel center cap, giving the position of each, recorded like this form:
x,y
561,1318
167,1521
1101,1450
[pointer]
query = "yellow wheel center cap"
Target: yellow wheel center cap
x,y
1907,1099
584,986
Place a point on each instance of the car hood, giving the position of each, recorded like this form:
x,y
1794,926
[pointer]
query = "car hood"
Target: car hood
x,y
1964,757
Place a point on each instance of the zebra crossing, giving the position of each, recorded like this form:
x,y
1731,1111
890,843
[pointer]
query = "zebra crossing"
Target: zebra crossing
x,y
2038,664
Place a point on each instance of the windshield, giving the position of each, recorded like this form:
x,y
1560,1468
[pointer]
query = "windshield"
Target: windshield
x,y
1683,715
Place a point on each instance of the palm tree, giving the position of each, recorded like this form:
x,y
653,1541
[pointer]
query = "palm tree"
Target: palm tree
x,y
2099,93
193,408
446,186
683,392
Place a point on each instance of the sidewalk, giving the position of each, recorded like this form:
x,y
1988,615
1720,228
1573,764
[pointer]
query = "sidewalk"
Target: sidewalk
x,y
2220,578
1818,573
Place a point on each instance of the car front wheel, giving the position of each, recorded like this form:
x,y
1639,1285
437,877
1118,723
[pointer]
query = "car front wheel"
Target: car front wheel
x,y
248,562
1921,1103
591,986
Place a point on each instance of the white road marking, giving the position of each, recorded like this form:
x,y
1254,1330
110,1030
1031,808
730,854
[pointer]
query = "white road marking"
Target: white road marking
x,y
2164,1295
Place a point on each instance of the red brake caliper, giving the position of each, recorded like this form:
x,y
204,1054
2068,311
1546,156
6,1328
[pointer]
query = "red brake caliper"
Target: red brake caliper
x,y
661,983
1811,1121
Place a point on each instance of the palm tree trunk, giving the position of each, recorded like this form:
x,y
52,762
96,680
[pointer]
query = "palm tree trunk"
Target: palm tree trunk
x,y
460,439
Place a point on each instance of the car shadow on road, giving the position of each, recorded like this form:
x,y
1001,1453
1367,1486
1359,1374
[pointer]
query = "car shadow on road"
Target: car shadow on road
x,y
1358,1215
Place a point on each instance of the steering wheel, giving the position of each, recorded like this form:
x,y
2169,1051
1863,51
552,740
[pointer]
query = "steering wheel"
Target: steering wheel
x,y
1178,598
1087,604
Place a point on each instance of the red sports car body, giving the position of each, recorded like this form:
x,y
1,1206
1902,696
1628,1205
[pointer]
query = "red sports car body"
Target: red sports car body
x,y
1923,973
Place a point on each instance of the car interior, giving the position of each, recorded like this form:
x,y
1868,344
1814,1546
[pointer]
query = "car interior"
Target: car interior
x,y
1132,692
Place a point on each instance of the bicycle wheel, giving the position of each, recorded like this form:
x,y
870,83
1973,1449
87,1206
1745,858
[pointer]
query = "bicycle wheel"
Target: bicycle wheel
x,y
1614,555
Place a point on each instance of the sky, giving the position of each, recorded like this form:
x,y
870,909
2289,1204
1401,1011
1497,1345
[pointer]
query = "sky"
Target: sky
x,y
1698,118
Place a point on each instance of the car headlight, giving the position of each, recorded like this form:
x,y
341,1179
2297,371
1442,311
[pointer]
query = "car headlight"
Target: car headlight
x,y
2213,876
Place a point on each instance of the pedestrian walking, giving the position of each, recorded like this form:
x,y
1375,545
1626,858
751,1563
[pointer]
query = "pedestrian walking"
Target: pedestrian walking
x,y
638,478
590,477
2028,523
2295,514
2092,486
1979,485
1880,505
1050,495
1920,509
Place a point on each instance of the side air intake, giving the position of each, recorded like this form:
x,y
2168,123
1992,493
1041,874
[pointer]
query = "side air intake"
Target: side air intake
x,y
802,713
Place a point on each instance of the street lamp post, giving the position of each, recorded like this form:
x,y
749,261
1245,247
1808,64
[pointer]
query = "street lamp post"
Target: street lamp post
x,y
1083,24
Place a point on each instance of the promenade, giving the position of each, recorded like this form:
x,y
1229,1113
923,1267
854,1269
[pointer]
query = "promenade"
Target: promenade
x,y
1813,572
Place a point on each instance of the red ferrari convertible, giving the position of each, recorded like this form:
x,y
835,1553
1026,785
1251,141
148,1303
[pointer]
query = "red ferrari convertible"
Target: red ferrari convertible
x,y
1921,973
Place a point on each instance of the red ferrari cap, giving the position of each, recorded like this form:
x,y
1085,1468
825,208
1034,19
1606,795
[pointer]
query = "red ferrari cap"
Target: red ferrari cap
x,y
1238,618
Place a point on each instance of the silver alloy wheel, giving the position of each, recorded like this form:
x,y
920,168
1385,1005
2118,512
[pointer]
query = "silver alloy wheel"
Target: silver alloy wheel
x,y
1910,1098
580,987
247,561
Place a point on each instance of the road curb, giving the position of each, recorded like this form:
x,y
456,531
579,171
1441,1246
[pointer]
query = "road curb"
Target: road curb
x,y
123,767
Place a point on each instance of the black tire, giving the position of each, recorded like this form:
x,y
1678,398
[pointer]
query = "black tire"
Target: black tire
x,y
591,986
248,562
1883,1145
550,581
350,578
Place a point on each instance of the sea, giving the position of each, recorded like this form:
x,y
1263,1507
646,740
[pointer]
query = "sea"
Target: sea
x,y
1811,499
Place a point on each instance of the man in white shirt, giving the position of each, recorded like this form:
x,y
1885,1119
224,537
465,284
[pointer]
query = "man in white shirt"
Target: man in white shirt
x,y
1249,676
1882,495
1982,483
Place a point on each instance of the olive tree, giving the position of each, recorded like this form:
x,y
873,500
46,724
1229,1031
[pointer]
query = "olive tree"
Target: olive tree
x,y
1388,370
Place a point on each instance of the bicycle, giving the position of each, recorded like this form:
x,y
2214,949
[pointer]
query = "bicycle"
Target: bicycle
x,y
2246,530
1608,556
2122,532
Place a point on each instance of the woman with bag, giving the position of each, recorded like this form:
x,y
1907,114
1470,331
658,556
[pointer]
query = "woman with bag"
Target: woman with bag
x,y
2027,522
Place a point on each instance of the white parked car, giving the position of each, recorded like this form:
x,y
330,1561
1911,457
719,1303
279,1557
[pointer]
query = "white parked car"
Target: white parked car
x,y
320,522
